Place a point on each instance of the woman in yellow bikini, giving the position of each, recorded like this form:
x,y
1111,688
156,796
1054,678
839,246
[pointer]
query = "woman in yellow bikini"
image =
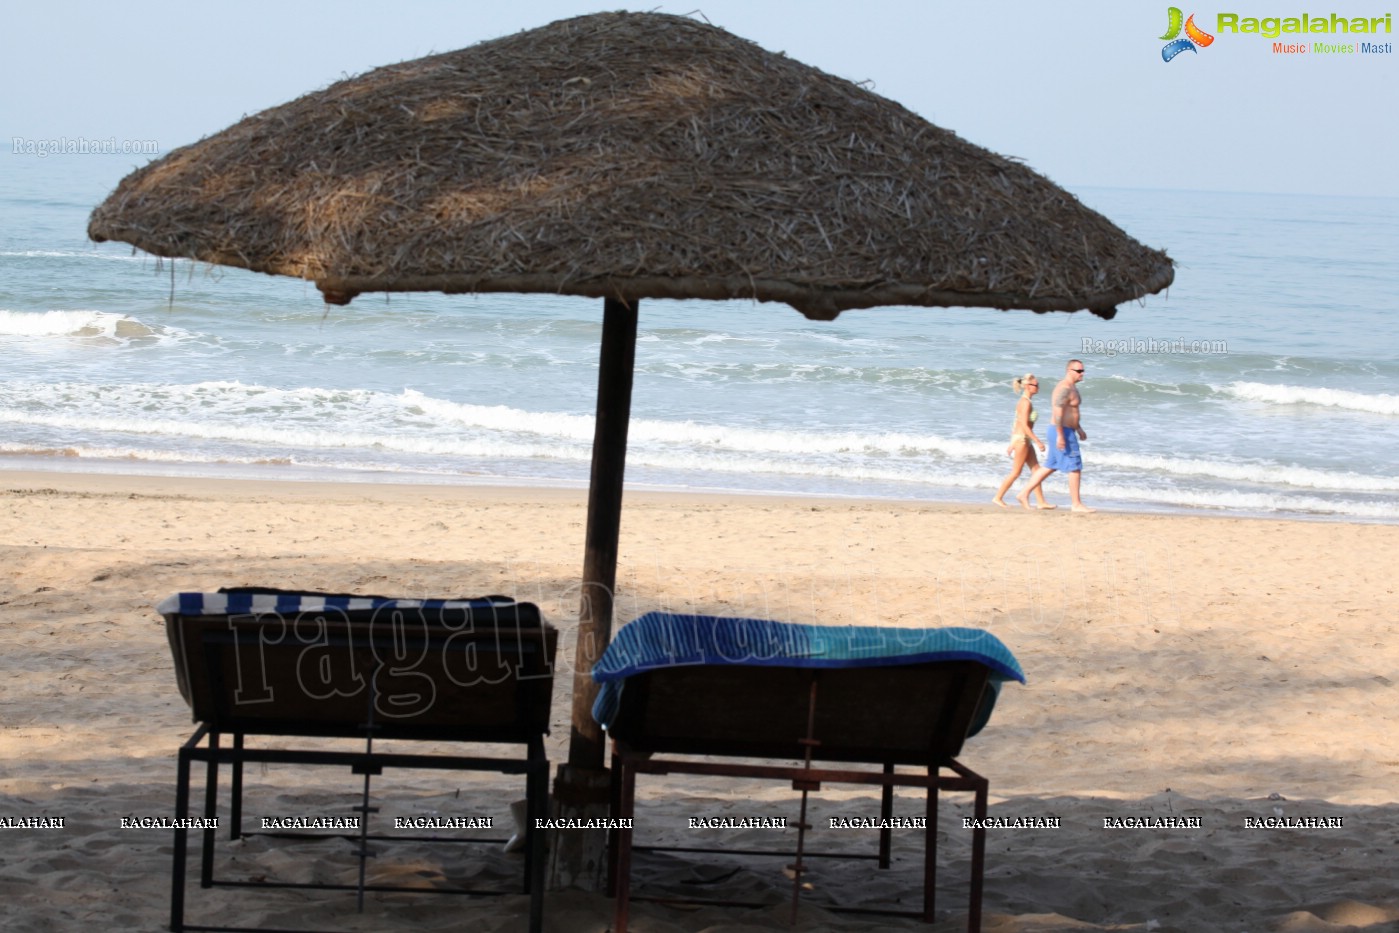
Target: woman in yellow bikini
x,y
1020,449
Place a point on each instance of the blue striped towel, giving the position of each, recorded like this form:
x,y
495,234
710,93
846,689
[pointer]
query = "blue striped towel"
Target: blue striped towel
x,y
248,601
663,639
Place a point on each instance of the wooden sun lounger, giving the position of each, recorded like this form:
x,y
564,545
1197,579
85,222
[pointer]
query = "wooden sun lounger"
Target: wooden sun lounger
x,y
785,723
266,663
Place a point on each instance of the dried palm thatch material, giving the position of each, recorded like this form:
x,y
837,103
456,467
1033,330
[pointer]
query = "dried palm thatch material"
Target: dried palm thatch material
x,y
627,155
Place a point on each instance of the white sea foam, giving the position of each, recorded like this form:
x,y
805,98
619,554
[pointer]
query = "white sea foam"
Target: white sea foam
x,y
704,436
1255,471
1379,404
107,255
1236,500
79,322
414,423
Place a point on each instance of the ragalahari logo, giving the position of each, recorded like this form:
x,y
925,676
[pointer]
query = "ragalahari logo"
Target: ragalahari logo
x,y
1193,35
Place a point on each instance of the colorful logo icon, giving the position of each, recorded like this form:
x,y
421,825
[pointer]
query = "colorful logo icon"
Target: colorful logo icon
x,y
1193,35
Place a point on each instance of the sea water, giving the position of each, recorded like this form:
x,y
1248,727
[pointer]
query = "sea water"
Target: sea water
x,y
1263,383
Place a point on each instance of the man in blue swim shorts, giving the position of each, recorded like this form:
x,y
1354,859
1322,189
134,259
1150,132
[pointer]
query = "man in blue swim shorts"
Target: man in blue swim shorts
x,y
1065,455
1063,439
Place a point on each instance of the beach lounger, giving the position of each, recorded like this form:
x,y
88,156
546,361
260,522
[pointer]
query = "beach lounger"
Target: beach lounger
x,y
689,694
272,663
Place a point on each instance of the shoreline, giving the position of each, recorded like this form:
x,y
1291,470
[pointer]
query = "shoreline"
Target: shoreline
x,y
308,478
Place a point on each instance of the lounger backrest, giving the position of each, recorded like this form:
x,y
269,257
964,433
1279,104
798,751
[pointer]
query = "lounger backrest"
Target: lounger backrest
x,y
464,670
904,714
713,685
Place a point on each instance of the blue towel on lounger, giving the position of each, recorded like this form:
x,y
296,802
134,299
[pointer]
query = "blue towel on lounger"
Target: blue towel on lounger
x,y
662,639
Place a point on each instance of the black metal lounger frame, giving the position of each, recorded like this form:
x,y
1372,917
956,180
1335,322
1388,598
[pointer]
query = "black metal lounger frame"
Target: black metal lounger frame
x,y
209,649
650,725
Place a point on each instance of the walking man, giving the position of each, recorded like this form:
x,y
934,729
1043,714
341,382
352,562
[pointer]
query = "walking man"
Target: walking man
x,y
1065,433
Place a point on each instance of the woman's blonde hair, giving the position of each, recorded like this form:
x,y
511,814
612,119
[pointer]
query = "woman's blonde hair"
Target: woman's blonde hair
x,y
1019,384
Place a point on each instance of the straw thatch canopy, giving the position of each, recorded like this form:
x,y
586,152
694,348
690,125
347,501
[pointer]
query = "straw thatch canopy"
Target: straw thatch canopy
x,y
627,156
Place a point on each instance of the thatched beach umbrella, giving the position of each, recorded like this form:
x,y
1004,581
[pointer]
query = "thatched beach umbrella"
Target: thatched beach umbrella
x,y
626,156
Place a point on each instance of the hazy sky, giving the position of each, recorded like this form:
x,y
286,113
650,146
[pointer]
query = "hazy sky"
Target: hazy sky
x,y
1076,88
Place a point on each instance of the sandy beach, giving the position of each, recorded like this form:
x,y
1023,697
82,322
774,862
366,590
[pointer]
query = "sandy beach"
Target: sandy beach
x,y
1223,669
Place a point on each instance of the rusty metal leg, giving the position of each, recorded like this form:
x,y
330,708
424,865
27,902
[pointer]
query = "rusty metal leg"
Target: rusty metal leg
x,y
978,859
177,868
798,867
930,849
536,807
806,786
886,812
211,802
364,852
614,810
627,806
235,807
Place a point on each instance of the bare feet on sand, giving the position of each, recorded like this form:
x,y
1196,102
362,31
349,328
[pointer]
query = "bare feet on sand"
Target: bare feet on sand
x,y
1024,501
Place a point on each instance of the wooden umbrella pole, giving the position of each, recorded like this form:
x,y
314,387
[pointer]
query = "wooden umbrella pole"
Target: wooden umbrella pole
x,y
587,748
582,788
